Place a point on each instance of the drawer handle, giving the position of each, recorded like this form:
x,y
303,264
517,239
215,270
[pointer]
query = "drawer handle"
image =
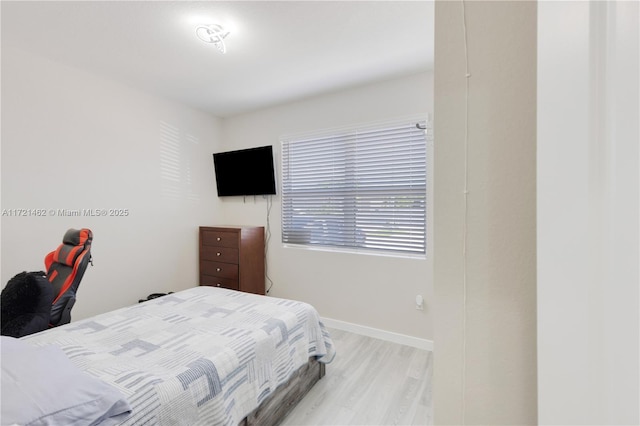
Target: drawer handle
x,y
219,239
218,285
218,269
218,254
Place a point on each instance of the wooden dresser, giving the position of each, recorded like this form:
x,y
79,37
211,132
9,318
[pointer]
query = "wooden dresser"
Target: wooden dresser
x,y
233,257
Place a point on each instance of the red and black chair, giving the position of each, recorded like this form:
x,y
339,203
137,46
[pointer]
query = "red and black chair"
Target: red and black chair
x,y
65,268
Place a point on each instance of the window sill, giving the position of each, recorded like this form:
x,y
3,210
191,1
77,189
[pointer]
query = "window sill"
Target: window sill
x,y
356,251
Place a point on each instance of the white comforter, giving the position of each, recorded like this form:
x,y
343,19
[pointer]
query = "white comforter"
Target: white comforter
x,y
206,356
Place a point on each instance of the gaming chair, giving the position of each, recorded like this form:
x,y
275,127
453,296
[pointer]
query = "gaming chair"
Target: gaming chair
x,y
65,268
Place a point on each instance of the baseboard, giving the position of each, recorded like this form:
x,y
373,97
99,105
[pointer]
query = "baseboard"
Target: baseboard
x,y
376,333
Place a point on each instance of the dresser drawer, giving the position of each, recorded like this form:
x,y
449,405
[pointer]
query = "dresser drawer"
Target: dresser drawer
x,y
219,269
219,282
219,254
213,237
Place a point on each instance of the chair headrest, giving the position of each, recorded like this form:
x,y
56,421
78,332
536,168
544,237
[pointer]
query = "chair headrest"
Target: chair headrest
x,y
77,237
73,244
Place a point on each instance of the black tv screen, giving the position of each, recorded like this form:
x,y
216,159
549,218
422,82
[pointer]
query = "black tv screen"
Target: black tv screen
x,y
245,172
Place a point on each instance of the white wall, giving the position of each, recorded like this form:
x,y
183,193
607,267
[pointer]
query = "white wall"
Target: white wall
x,y
71,140
372,291
588,183
495,383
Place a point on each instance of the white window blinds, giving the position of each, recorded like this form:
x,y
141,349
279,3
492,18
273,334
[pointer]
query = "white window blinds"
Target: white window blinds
x,y
359,189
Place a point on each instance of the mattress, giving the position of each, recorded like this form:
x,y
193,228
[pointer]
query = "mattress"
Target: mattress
x,y
203,356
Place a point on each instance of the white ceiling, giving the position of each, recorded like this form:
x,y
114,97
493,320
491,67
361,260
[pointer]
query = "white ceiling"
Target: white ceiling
x,y
277,51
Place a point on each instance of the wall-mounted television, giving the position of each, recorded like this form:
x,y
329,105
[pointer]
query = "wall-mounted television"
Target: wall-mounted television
x,y
245,172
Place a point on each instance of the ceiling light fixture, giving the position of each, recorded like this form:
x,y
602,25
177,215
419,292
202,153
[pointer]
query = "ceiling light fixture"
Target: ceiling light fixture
x,y
214,34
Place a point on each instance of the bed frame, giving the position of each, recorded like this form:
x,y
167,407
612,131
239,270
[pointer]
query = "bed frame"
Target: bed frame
x,y
277,405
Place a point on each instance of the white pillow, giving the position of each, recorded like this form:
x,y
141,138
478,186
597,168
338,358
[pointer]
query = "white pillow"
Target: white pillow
x,y
40,386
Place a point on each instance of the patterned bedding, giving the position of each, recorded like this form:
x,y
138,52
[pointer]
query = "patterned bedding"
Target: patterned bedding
x,y
203,356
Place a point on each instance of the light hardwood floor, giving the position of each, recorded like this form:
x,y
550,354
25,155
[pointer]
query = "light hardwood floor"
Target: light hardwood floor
x,y
370,382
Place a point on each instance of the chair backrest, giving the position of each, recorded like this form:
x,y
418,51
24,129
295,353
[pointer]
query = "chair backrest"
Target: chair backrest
x,y
65,268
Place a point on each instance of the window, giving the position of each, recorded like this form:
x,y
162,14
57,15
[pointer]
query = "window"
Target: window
x,y
362,189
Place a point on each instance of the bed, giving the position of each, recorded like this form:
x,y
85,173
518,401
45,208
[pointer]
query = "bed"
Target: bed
x,y
203,356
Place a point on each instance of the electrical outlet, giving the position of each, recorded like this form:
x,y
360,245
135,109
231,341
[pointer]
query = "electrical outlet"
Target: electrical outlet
x,y
419,302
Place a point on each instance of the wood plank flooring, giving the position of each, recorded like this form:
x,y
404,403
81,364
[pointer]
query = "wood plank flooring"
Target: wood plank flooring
x,y
370,382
